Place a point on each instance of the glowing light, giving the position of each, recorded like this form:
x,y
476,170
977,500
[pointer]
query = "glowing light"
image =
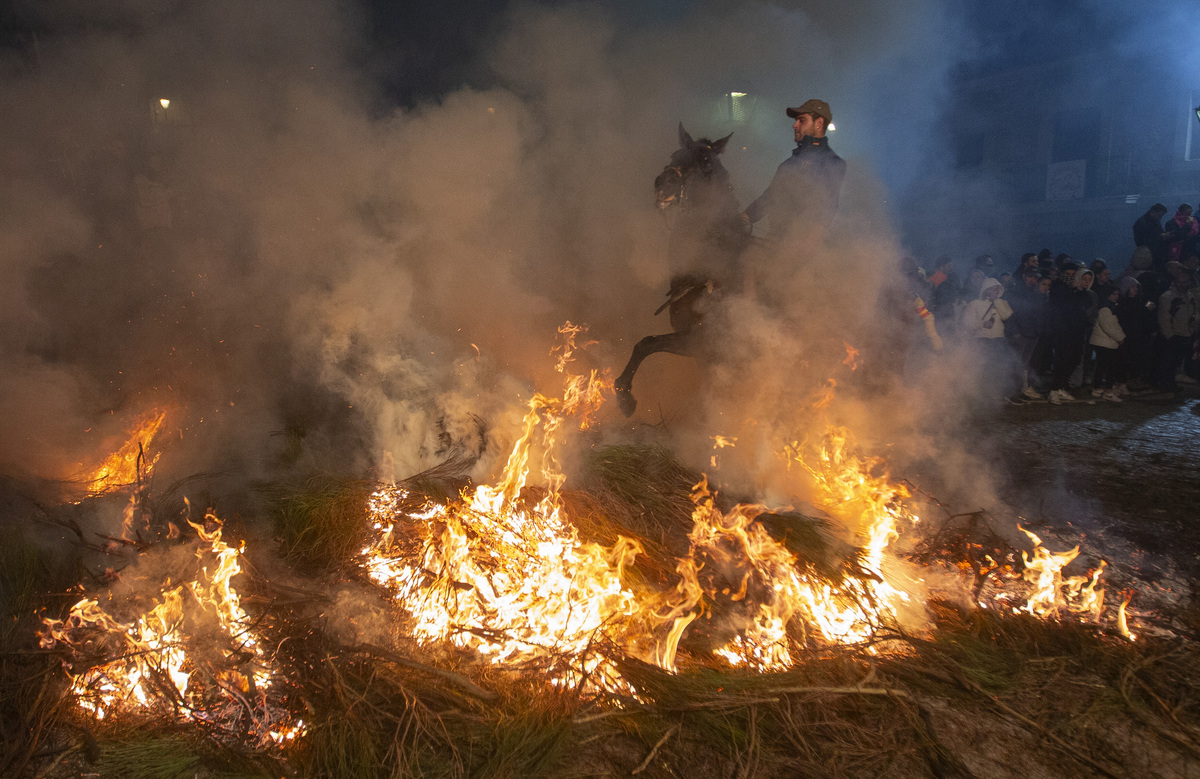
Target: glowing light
x,y
737,94
832,127
164,102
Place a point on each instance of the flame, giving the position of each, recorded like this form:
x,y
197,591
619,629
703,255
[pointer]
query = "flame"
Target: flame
x,y
129,464
851,356
827,394
1122,618
783,591
1051,591
147,663
720,442
503,573
510,580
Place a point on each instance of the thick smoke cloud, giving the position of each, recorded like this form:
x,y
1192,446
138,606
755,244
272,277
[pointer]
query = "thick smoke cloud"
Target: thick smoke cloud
x,y
309,284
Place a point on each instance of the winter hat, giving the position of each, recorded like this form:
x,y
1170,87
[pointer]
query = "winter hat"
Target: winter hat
x,y
1128,283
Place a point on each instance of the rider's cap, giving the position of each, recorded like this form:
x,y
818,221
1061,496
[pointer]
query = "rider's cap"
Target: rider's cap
x,y
814,107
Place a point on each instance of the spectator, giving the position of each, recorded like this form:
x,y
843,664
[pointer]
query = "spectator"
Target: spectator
x,y
1025,327
1191,263
1041,362
985,316
1085,279
983,322
945,283
985,263
1138,321
1028,260
1182,228
1006,281
973,285
1068,315
1103,278
1107,337
1148,233
1191,245
1178,313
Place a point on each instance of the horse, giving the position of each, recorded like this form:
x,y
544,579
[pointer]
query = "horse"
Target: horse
x,y
707,238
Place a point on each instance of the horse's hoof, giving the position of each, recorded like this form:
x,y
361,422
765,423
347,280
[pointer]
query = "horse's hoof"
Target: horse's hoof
x,y
626,401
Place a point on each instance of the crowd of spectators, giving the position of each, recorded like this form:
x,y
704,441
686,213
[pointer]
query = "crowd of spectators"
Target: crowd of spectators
x,y
1058,329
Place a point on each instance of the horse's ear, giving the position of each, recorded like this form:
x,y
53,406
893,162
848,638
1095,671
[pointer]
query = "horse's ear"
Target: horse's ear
x,y
684,138
718,145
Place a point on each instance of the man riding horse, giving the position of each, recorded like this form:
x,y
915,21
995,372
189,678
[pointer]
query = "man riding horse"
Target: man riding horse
x,y
710,235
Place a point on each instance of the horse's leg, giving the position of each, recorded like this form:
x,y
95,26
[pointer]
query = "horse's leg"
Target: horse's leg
x,y
674,343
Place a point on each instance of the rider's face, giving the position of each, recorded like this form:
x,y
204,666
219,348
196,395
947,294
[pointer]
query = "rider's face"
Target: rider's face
x,y
803,126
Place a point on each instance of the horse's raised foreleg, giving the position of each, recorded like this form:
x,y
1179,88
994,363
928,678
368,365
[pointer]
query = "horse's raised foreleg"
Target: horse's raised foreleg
x,y
673,343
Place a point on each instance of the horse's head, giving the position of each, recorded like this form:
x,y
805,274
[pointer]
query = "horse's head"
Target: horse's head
x,y
694,163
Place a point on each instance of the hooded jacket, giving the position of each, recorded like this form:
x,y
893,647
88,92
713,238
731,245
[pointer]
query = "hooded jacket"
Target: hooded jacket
x,y
1108,332
980,311
1136,314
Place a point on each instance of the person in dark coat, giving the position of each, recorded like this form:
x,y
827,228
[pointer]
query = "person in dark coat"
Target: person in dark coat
x,y
1148,231
1135,357
1191,245
1028,260
1181,229
1069,323
1024,327
945,292
807,185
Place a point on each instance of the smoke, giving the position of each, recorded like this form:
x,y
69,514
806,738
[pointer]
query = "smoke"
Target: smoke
x,y
204,210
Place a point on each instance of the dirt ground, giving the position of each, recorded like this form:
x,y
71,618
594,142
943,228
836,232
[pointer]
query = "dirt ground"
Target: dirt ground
x,y
1123,476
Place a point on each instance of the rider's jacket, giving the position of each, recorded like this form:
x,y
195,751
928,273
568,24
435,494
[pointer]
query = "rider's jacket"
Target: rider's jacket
x,y
806,187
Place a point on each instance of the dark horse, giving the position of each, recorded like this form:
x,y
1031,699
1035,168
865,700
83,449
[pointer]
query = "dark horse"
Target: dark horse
x,y
706,241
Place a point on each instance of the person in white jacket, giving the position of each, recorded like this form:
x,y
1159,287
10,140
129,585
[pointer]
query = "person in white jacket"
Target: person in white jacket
x,y
1107,336
983,322
984,317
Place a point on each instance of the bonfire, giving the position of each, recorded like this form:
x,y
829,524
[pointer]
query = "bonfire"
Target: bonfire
x,y
644,598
